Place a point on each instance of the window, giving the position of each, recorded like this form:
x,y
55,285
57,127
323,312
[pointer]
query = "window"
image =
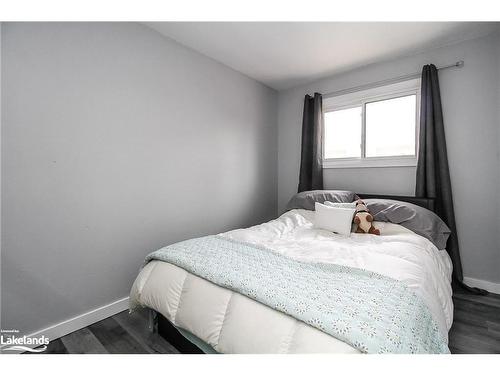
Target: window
x,y
343,132
372,128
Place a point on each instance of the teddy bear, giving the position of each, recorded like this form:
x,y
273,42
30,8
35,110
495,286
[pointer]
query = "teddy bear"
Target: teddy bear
x,y
364,219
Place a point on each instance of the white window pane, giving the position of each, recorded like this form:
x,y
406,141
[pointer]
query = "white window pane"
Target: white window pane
x,y
343,133
390,127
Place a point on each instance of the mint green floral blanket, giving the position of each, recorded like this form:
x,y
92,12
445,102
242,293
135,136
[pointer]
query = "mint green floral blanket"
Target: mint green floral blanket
x,y
371,312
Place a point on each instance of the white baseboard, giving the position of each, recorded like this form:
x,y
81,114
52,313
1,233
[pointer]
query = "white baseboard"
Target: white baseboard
x,y
78,322
483,284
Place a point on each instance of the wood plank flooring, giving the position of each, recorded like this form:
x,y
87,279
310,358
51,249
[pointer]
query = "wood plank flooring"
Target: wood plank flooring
x,y
476,324
122,333
476,329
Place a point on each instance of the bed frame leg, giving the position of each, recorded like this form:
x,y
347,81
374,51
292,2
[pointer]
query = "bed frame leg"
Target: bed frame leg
x,y
152,321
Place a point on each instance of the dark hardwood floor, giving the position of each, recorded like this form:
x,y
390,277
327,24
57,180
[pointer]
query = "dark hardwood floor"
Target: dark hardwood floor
x,y
476,329
476,324
122,333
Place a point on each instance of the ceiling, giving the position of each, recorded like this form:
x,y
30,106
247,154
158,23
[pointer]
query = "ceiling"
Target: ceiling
x,y
286,54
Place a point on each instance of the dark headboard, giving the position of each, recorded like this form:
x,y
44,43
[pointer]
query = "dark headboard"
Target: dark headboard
x,y
422,202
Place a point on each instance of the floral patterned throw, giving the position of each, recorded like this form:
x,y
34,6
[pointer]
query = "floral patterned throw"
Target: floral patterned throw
x,y
369,311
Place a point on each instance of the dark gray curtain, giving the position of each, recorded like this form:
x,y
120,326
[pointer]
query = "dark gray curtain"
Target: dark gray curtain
x,y
311,170
433,175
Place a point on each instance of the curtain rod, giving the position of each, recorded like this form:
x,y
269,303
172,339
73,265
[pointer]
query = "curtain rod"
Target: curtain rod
x,y
384,82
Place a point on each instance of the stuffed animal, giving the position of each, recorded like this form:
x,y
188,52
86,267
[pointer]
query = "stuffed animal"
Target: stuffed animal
x,y
363,218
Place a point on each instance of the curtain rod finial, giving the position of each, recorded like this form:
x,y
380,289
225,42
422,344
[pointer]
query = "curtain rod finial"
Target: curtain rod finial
x,y
460,63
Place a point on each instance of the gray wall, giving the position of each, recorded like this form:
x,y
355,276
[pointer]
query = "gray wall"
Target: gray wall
x,y
0,177
498,148
115,142
470,103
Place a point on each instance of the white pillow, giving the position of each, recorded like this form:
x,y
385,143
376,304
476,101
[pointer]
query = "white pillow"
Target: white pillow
x,y
334,219
340,205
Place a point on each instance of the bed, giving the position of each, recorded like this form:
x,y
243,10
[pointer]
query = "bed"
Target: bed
x,y
287,287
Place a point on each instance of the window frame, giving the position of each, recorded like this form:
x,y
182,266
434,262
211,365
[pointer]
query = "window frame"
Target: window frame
x,y
360,99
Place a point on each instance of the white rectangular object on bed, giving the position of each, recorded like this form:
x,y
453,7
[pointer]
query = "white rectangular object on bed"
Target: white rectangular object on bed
x,y
333,219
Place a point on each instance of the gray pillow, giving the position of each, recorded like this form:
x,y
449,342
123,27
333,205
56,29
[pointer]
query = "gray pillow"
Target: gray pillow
x,y
415,218
306,199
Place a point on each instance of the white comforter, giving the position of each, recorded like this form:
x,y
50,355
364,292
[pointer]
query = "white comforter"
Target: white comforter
x,y
232,323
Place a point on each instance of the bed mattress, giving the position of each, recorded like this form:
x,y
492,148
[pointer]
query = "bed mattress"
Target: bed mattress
x,y
233,323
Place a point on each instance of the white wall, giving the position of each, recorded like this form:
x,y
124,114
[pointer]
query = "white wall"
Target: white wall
x,y
117,141
470,103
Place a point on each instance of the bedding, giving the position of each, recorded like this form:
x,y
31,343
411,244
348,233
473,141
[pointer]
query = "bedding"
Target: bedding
x,y
233,323
418,219
341,205
334,219
306,199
